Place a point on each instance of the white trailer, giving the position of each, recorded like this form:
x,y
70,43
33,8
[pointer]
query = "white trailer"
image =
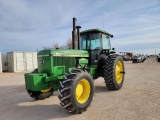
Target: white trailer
x,y
0,63
22,61
4,62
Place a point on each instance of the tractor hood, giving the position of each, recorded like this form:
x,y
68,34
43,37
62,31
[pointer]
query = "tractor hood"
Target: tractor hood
x,y
64,52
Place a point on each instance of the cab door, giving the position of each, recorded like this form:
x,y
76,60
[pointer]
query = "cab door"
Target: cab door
x,y
92,43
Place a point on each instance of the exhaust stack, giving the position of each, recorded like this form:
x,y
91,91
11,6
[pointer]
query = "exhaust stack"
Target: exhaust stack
x,y
74,35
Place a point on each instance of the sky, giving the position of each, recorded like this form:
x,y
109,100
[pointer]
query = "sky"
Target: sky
x,y
31,25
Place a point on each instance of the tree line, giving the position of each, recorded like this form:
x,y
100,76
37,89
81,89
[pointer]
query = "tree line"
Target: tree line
x,y
67,45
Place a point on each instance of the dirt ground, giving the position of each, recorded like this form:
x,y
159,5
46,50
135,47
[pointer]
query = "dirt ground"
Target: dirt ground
x,y
139,98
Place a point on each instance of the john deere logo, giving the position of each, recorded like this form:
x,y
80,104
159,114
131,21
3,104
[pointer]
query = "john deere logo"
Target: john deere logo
x,y
42,61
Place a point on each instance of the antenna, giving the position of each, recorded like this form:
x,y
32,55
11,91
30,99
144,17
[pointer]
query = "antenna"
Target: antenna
x,y
102,21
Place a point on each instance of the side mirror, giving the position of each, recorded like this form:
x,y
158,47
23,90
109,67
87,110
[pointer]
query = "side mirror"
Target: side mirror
x,y
111,36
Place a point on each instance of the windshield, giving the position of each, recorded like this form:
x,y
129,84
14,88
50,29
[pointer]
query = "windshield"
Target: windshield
x,y
91,41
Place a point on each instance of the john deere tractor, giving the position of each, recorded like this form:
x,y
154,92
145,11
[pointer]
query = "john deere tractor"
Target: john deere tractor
x,y
72,72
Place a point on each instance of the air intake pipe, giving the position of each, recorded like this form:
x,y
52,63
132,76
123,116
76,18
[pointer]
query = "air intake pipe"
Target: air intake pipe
x,y
78,35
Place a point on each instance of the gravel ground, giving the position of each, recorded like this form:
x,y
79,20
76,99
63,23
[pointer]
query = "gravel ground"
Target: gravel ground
x,y
139,98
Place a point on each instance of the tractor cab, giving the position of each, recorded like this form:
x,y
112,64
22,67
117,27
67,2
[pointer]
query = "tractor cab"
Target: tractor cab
x,y
96,42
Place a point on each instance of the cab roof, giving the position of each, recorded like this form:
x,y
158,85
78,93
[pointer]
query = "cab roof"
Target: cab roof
x,y
95,30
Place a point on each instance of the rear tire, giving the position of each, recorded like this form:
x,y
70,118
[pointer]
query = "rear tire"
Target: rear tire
x,y
114,72
100,65
40,95
76,91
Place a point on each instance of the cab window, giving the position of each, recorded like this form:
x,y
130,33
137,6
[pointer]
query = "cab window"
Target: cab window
x,y
106,41
91,41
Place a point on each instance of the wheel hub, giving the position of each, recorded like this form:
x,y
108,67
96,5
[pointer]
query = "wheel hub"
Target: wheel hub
x,y
46,90
119,69
79,90
83,90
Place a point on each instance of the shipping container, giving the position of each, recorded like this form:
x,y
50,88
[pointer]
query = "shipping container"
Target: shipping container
x,y
0,63
22,61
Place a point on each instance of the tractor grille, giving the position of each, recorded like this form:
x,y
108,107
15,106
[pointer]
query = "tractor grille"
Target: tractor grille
x,y
68,62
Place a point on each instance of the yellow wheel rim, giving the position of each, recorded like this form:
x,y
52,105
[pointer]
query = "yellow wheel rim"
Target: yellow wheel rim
x,y
83,90
119,69
44,91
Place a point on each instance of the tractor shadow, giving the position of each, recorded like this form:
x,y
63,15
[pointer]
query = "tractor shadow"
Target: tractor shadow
x,y
101,89
100,86
18,105
43,112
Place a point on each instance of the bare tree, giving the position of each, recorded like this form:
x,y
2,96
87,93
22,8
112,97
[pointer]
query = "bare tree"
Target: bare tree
x,y
55,46
69,43
45,48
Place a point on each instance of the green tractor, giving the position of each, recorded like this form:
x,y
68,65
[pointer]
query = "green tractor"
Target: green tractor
x,y
71,72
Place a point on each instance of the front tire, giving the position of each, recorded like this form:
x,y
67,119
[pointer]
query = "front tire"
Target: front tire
x,y
40,95
76,91
114,72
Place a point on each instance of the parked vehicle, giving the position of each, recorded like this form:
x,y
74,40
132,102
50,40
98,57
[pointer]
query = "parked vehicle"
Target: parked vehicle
x,y
159,57
138,58
126,57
